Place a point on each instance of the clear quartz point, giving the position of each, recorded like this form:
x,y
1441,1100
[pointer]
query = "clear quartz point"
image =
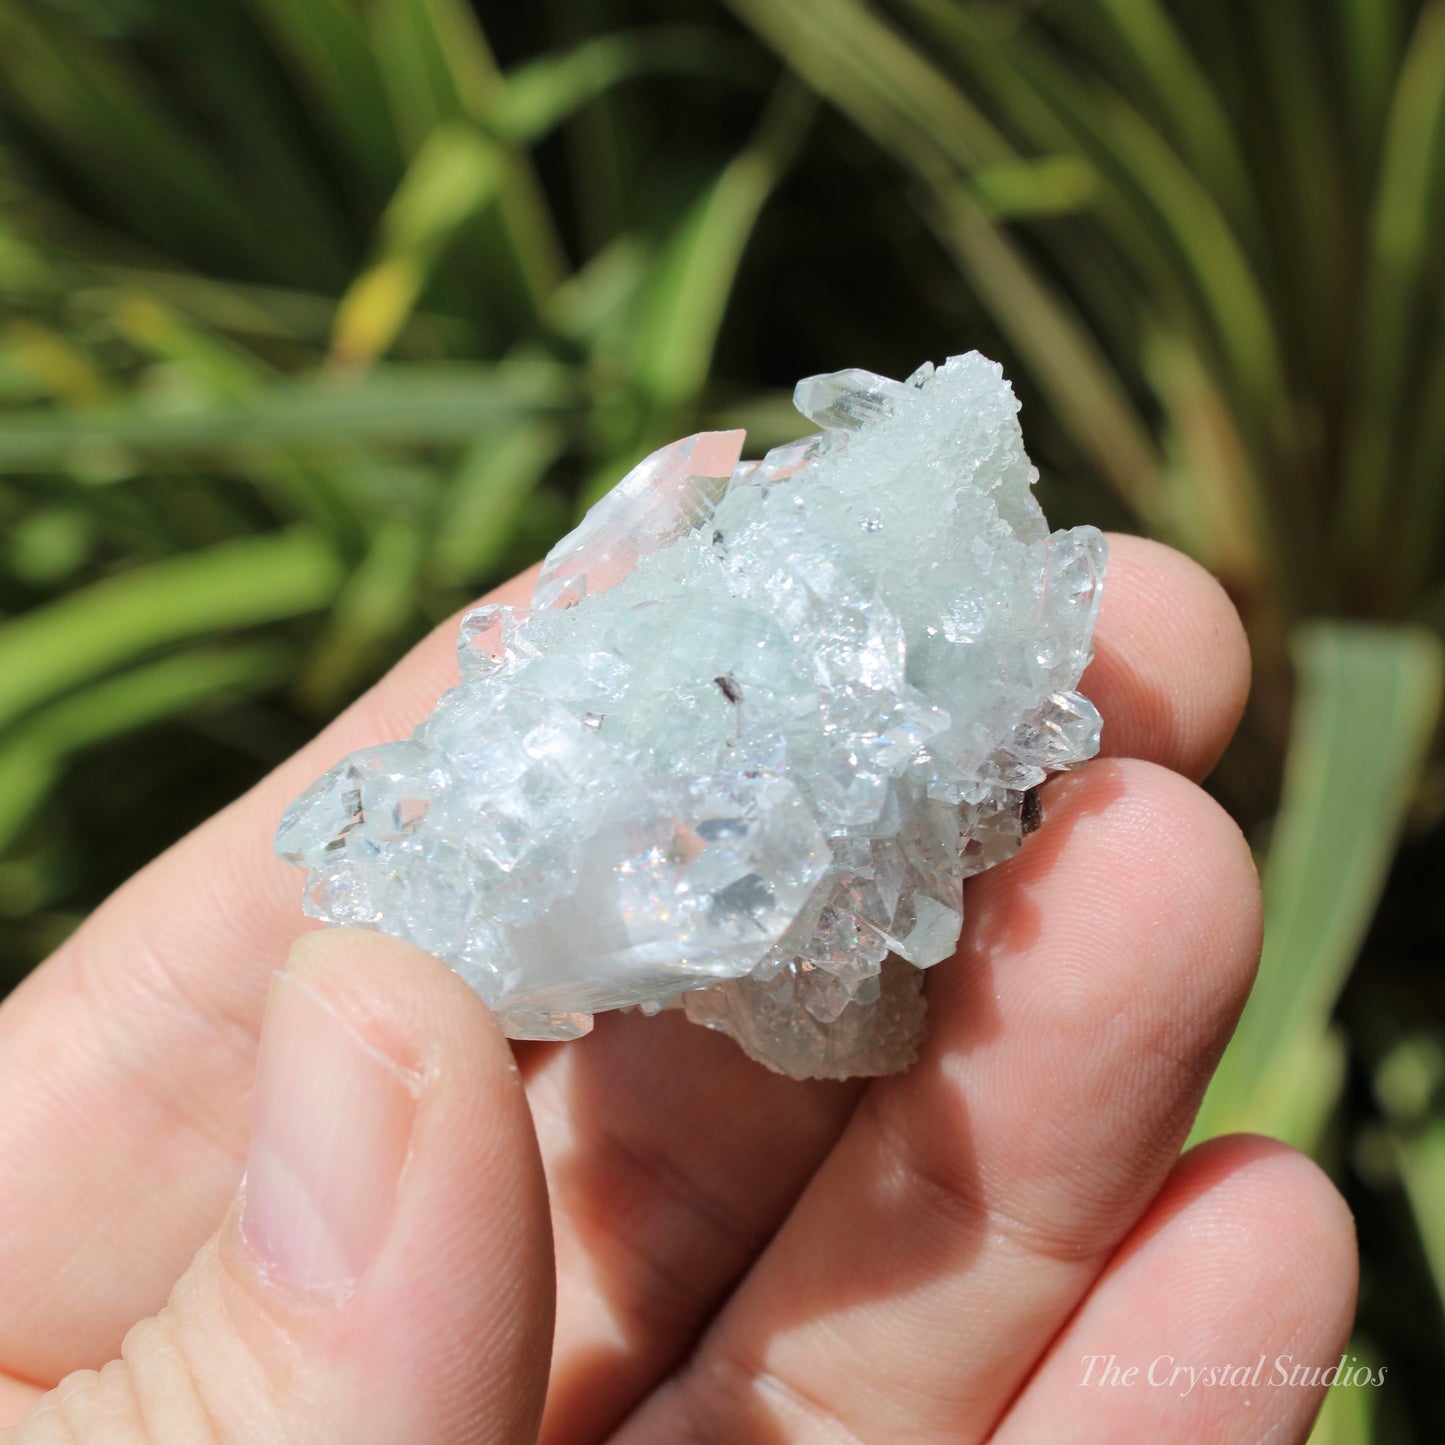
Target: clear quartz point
x,y
848,400
663,496
759,723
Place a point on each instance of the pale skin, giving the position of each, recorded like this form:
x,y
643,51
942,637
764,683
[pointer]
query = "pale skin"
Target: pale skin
x,y
729,1256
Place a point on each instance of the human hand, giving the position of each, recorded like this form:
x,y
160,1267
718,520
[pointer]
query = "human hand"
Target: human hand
x,y
733,1256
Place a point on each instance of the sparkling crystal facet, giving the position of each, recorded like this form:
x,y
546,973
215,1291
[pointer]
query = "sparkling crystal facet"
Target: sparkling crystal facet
x,y
759,723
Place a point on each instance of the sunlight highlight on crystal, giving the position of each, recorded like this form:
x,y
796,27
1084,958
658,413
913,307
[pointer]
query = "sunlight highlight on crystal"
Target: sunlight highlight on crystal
x,y
758,724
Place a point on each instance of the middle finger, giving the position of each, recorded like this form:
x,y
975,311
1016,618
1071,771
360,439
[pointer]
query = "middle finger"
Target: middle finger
x,y
972,1201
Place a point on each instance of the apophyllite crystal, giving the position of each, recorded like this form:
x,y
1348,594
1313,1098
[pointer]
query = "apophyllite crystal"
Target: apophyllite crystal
x,y
760,722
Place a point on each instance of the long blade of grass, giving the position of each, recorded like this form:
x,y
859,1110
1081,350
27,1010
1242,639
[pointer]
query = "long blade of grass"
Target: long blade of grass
x,y
541,93
1422,489
1047,186
225,588
872,73
1421,1159
33,755
326,45
438,68
413,404
1153,193
1067,364
229,77
1234,299
1186,98
435,63
1368,701
1308,185
1404,244
271,312
51,365
1347,1416
478,515
674,338
1409,1087
1369,44
371,610
1105,284
219,370
669,344
1220,512
451,178
910,108
110,129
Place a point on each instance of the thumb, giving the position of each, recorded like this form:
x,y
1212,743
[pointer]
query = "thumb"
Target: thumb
x,y
385,1271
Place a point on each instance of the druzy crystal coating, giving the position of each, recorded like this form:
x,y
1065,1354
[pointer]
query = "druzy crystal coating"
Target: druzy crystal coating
x,y
758,724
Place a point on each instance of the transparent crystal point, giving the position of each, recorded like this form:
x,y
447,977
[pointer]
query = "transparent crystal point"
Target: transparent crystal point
x,y
666,494
848,400
758,725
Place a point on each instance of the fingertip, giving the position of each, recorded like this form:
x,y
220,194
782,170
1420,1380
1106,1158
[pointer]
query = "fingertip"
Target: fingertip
x,y
1269,1231
1277,1197
1226,1310
1148,889
391,1247
398,994
1171,669
1204,843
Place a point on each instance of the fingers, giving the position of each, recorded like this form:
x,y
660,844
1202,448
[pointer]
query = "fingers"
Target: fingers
x,y
671,1159
1171,662
970,1203
127,1059
16,1397
385,1272
127,1123
1219,1319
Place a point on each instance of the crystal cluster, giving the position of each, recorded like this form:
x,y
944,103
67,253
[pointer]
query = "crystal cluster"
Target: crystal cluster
x,y
758,724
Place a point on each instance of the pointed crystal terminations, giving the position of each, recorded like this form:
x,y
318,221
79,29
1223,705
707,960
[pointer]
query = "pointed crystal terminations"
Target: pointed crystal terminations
x,y
759,722
663,496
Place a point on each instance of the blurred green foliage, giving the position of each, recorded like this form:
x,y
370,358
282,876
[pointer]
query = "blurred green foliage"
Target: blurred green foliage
x,y
320,316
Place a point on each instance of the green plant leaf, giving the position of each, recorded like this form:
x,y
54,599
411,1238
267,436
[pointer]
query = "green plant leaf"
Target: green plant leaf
x,y
1370,33
670,340
543,92
872,73
1184,94
1347,1416
101,117
674,337
438,68
1421,1157
33,755
326,45
1405,243
1047,186
1164,220
1218,508
371,610
412,404
1367,704
233,585
479,513
1067,362
911,108
454,174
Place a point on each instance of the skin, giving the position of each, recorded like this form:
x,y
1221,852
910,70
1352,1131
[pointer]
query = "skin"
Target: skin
x,y
643,1237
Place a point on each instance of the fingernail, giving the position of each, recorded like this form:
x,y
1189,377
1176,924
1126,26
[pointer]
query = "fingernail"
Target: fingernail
x,y
331,1121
